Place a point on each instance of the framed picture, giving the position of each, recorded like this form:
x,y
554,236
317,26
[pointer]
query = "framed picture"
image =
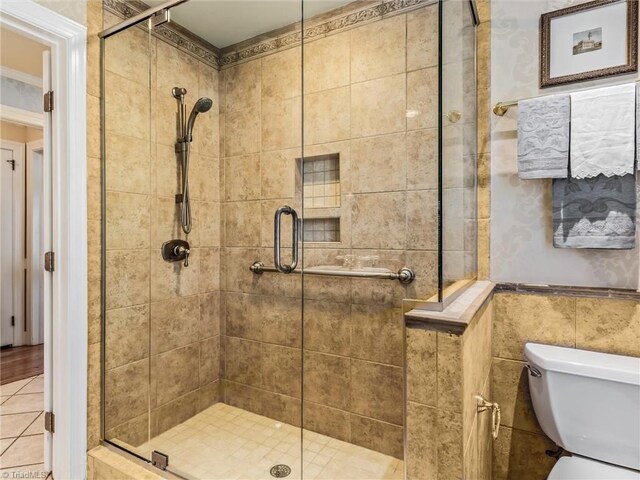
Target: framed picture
x,y
592,40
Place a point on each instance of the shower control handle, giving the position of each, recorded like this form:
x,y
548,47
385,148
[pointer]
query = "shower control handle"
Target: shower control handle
x,y
277,226
176,251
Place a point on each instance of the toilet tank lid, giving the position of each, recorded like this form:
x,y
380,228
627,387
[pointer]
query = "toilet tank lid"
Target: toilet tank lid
x,y
605,366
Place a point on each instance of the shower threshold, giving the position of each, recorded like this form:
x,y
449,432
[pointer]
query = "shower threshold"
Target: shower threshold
x,y
225,442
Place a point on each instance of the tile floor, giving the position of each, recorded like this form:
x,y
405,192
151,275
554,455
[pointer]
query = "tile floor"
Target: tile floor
x,y
22,428
225,442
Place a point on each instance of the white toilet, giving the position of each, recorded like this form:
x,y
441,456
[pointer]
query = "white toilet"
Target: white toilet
x,y
589,404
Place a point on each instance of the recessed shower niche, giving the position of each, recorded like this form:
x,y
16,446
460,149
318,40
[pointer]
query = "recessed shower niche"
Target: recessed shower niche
x,y
277,343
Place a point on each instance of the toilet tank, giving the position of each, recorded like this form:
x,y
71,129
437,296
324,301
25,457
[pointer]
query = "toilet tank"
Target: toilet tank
x,y
586,402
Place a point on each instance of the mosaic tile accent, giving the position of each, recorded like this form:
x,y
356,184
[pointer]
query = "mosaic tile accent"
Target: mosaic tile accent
x,y
321,181
321,230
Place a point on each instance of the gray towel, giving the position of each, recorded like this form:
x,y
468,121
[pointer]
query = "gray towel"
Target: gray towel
x,y
543,137
597,212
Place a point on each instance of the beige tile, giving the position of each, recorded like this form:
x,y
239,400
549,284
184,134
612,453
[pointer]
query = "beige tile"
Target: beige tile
x,y
282,74
210,314
450,455
12,426
127,335
282,408
208,395
281,321
94,395
281,123
240,279
242,224
378,106
6,443
376,333
14,387
449,354
532,318
242,94
421,366
422,219
173,279
30,402
425,265
269,207
24,451
127,107
378,436
378,49
209,270
243,396
327,327
422,30
129,55
422,159
209,224
611,326
326,117
518,454
327,380
173,413
422,437
381,382
93,121
327,421
278,173
510,388
282,369
378,220
126,393
173,374
174,323
37,427
128,220
36,469
379,164
127,278
243,316
422,99
166,221
327,63
242,357
453,223
241,177
204,180
174,68
209,360
167,171
242,132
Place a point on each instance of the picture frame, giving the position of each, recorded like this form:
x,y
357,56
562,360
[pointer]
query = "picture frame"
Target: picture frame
x,y
593,40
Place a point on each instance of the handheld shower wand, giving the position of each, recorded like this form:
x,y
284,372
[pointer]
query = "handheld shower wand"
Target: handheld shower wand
x,y
185,137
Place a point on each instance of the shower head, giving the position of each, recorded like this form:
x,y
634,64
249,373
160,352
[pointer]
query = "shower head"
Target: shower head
x,y
203,105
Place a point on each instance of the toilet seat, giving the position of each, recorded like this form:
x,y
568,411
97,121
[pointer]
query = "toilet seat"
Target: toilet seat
x,y
580,468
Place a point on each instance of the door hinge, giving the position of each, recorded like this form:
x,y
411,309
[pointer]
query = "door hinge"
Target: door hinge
x,y
49,422
48,101
49,261
13,321
13,164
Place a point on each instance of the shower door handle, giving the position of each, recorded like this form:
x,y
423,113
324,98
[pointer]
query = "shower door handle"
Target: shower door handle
x,y
277,226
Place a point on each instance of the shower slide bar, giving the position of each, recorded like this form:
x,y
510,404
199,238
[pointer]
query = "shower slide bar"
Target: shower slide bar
x,y
404,275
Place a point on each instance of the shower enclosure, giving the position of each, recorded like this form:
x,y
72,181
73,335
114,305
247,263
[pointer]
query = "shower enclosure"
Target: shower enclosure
x,y
256,262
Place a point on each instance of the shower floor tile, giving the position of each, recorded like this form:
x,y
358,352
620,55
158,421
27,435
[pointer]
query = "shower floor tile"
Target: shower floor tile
x,y
225,443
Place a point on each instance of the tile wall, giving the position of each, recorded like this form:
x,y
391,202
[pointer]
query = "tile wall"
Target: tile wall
x,y
162,322
598,324
446,437
358,87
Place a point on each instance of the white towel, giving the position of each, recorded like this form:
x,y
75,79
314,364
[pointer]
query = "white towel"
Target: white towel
x,y
603,131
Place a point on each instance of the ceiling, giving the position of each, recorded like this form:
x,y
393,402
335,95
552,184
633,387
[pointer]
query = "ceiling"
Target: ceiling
x,y
225,22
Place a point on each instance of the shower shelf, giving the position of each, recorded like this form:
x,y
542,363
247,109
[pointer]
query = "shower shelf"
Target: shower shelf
x,y
404,275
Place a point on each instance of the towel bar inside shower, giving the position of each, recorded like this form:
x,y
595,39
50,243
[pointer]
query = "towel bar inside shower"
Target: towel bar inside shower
x,y
405,275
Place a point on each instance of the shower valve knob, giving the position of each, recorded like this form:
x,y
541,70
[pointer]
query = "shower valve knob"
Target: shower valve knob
x,y
176,251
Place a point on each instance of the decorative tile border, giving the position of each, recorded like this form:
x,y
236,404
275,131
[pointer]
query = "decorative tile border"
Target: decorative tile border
x,y
289,36
174,34
568,291
259,46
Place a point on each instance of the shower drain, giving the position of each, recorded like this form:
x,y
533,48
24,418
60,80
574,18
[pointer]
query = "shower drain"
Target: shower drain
x,y
280,471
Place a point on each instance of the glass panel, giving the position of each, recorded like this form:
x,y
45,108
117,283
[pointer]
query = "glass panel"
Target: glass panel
x,y
458,143
127,239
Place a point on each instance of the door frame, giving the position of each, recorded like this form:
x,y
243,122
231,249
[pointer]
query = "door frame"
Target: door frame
x,y
68,284
17,240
